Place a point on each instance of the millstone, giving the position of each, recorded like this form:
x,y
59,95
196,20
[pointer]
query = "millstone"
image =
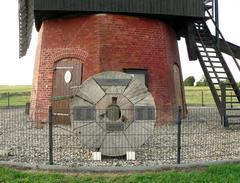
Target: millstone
x,y
113,113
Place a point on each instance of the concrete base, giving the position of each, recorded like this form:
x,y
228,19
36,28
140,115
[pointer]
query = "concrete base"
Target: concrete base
x,y
97,156
131,155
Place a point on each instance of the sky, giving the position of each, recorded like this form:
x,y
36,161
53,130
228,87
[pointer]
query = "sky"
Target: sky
x,y
15,71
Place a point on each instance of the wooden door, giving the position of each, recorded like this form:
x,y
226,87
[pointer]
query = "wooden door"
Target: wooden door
x,y
67,75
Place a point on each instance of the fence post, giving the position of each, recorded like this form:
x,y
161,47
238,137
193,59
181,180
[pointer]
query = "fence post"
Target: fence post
x,y
8,98
50,135
202,99
179,135
223,103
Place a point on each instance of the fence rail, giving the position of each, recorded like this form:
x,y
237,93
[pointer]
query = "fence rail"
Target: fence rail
x,y
198,137
194,97
13,99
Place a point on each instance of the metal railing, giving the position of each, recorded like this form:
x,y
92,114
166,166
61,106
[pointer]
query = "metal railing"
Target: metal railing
x,y
199,137
14,99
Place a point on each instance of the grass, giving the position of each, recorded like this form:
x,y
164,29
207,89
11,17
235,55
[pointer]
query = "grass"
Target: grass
x,y
199,96
17,88
14,99
225,173
194,95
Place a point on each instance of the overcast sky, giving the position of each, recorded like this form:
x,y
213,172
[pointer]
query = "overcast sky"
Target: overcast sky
x,y
15,71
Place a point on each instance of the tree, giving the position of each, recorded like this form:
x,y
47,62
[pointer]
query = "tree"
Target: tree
x,y
202,82
189,81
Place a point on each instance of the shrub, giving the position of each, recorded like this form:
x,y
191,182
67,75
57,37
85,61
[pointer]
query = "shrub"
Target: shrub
x,y
189,81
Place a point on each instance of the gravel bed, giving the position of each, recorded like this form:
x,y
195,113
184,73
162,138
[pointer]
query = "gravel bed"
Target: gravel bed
x,y
203,138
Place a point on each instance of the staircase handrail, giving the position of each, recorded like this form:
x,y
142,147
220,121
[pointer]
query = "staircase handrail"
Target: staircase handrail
x,y
208,1
228,47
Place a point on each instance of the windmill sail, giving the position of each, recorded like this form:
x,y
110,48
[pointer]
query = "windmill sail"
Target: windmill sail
x,y
25,25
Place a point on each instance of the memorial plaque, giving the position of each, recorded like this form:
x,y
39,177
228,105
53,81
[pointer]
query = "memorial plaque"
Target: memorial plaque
x,y
84,113
144,113
114,126
113,82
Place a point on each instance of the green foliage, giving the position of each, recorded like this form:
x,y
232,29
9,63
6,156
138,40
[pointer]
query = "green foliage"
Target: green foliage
x,y
202,82
218,173
189,81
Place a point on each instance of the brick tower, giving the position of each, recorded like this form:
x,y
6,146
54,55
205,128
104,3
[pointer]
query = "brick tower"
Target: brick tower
x,y
110,42
78,39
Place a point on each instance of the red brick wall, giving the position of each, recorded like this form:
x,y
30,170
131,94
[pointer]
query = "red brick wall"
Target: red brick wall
x,y
109,42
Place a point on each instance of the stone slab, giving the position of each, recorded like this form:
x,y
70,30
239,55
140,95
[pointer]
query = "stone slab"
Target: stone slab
x,y
90,91
91,135
115,144
138,133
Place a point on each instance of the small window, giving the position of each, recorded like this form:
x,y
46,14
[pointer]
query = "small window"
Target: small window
x,y
140,74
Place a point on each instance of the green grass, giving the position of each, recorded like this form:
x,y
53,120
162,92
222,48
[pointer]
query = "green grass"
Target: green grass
x,y
195,95
214,174
17,88
14,99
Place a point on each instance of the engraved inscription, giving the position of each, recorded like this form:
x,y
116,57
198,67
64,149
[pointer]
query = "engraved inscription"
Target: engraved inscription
x,y
113,82
84,113
144,113
114,127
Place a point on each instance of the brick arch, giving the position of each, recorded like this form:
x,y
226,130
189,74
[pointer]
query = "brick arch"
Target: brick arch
x,y
42,90
61,53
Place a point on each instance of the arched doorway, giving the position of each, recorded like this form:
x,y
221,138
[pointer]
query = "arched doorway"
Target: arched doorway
x,y
67,75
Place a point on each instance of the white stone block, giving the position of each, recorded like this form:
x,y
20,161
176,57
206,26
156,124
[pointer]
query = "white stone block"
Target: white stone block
x,y
131,155
97,156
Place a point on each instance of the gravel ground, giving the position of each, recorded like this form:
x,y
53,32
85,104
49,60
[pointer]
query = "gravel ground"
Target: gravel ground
x,y
203,138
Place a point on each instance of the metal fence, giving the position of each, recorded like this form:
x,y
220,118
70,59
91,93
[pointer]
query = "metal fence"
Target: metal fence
x,y
198,97
199,137
13,99
194,97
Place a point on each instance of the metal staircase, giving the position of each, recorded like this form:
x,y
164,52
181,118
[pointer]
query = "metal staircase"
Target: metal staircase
x,y
222,84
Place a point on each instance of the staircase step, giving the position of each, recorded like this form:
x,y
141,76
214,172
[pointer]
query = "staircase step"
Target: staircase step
x,y
234,116
225,84
222,78
228,96
234,123
233,109
207,51
210,56
214,77
216,67
232,103
207,41
218,72
212,61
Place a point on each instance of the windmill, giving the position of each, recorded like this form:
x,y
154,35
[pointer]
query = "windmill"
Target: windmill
x,y
188,19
